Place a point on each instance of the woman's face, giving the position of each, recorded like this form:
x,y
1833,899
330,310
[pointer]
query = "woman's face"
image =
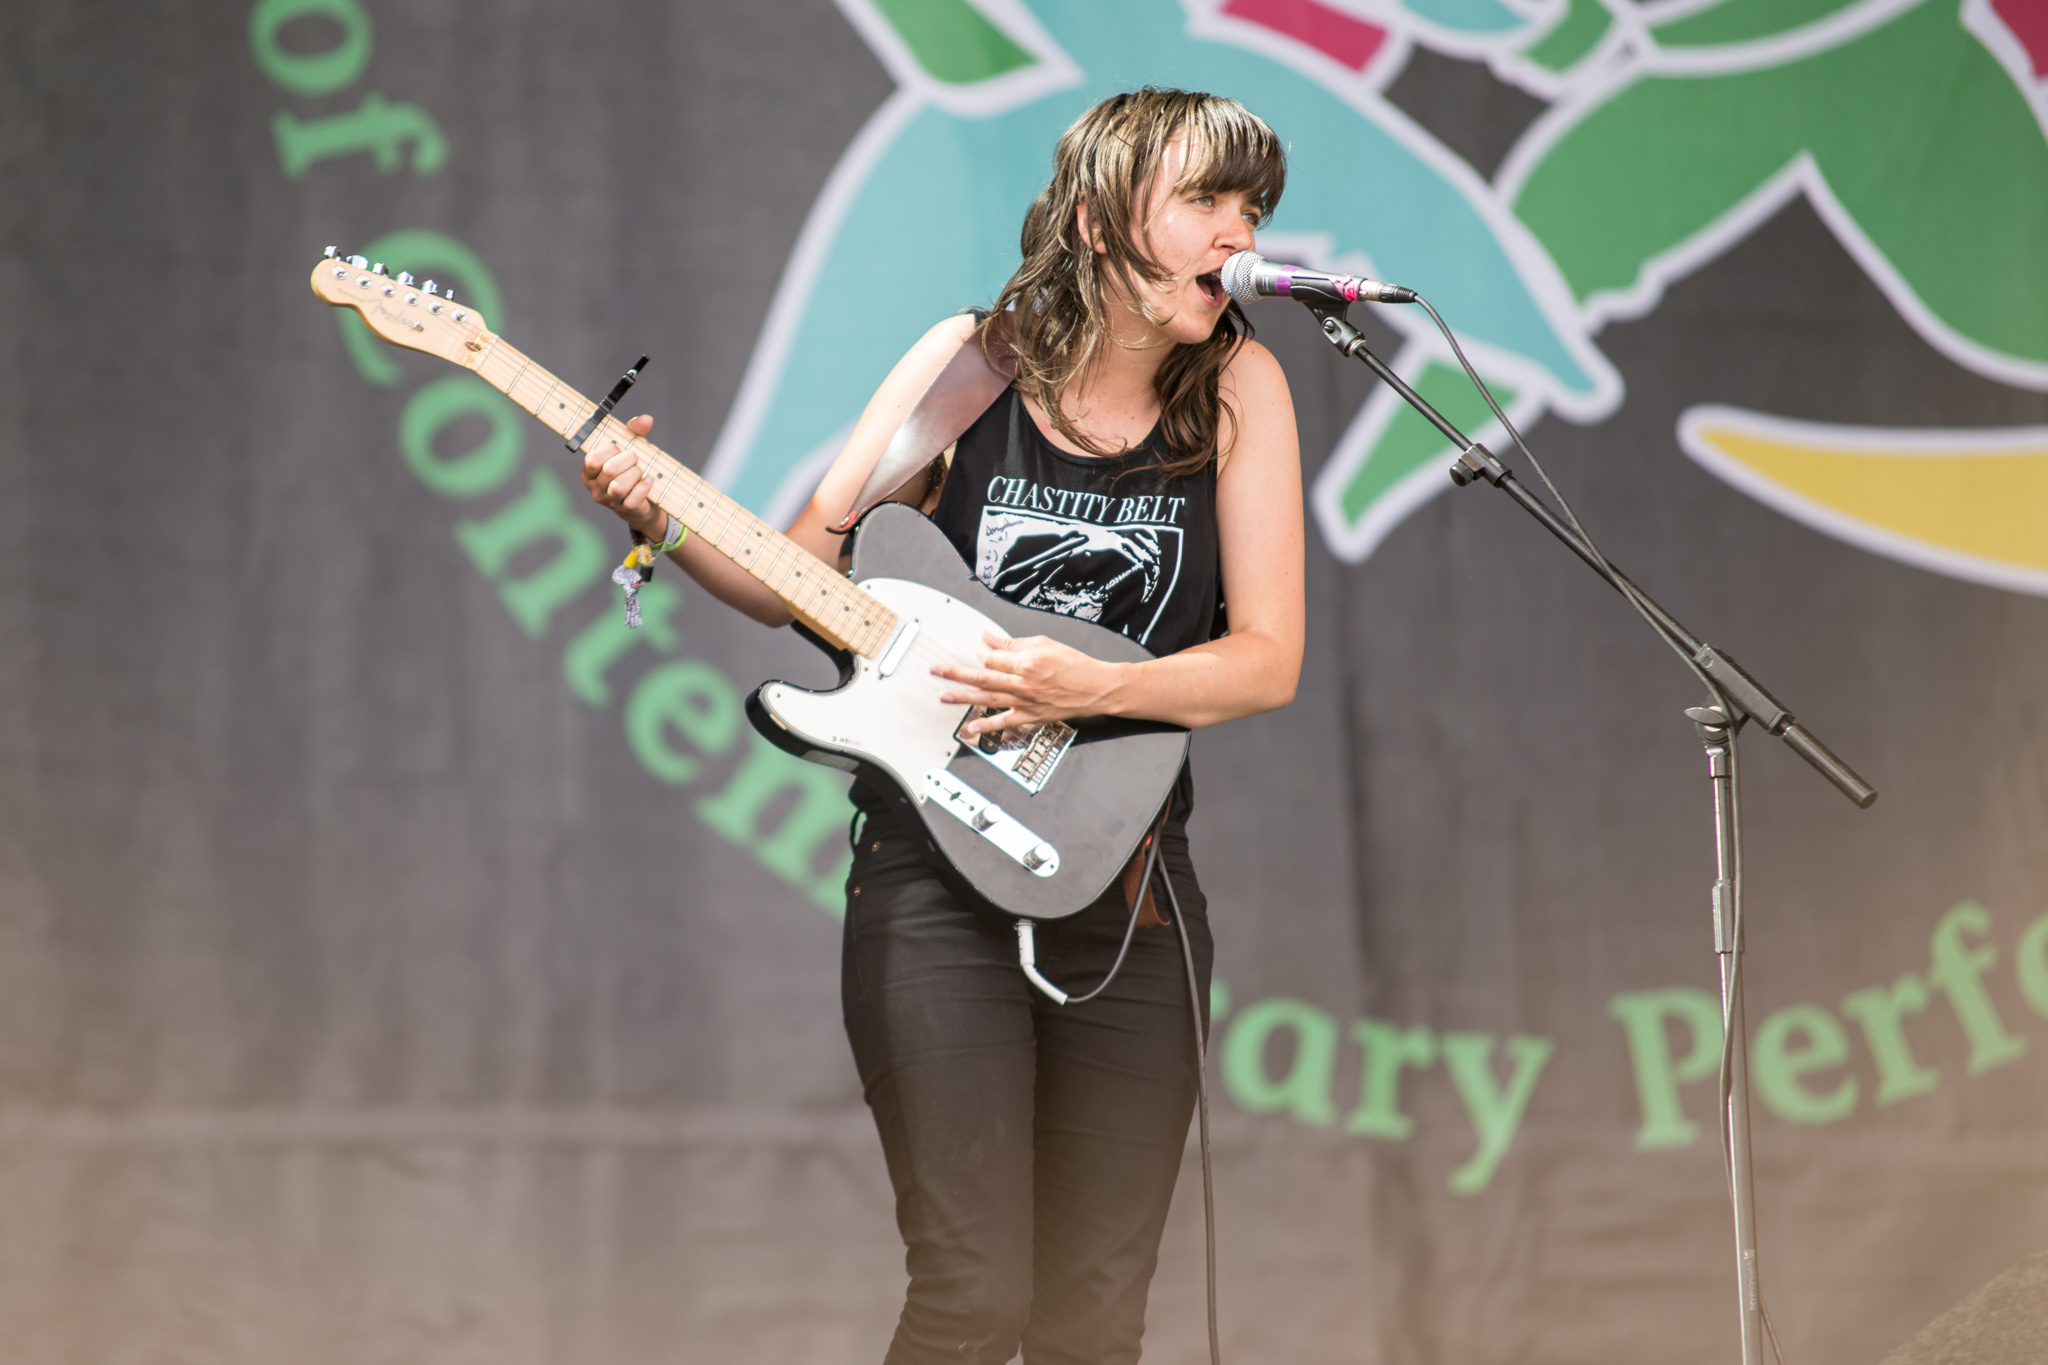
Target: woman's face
x,y
1192,235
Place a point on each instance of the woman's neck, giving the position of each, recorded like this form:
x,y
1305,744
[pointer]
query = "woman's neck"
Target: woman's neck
x,y
1115,401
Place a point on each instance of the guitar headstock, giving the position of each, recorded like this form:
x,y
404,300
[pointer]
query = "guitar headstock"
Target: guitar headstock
x,y
418,316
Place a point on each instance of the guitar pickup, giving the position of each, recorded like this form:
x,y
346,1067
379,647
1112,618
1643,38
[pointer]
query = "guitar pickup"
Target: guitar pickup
x,y
897,647
991,822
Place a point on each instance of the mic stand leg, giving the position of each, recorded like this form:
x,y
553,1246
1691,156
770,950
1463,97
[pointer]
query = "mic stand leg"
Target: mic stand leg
x,y
1717,735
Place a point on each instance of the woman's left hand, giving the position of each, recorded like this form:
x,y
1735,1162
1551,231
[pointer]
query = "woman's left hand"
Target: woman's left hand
x,y
1029,680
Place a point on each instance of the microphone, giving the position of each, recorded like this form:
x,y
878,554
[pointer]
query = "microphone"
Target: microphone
x,y
1248,275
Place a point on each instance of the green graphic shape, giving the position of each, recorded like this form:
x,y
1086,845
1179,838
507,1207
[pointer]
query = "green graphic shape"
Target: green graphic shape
x,y
1573,37
1917,132
1743,21
953,41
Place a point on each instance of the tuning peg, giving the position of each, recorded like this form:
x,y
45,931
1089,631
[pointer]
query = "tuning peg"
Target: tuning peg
x,y
329,253
377,269
430,287
405,277
360,262
448,294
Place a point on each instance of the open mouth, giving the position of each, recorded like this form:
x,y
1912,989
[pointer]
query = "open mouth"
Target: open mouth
x,y
1211,286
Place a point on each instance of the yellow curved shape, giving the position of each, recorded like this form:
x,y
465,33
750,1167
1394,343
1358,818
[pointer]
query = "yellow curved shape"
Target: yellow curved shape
x,y
1970,503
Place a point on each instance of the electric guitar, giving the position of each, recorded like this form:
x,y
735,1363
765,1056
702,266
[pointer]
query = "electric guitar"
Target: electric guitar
x,y
1040,820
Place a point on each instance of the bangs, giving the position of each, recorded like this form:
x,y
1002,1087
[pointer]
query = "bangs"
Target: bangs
x,y
1231,150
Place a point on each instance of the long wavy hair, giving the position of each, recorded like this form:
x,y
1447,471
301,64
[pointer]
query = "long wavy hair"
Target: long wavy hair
x,y
1055,306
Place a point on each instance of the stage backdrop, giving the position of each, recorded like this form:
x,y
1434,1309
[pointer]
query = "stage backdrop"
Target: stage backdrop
x,y
401,962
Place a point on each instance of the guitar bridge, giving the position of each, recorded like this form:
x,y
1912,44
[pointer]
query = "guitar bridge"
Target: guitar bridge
x,y
1026,755
991,822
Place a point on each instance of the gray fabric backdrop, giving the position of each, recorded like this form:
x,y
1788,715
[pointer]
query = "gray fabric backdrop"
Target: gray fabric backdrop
x,y
364,996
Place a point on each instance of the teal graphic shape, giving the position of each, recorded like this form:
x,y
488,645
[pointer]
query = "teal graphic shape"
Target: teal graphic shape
x,y
933,221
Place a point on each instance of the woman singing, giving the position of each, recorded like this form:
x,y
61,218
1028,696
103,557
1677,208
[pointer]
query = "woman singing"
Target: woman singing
x,y
1142,464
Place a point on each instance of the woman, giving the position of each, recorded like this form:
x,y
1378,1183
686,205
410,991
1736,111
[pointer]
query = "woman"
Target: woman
x,y
1143,460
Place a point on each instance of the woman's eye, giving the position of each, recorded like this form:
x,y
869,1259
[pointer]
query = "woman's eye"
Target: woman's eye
x,y
1205,200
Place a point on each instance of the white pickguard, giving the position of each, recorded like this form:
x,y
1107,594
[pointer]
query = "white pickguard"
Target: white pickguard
x,y
896,722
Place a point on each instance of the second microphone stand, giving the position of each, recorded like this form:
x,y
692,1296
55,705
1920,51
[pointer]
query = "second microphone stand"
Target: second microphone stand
x,y
1736,699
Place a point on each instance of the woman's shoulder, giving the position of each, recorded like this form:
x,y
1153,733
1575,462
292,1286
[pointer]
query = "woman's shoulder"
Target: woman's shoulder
x,y
1251,366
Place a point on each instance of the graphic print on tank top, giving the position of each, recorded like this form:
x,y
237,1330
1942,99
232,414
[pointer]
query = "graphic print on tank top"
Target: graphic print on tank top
x,y
1088,555
1111,540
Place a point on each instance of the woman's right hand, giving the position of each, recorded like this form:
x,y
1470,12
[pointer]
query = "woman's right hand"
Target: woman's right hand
x,y
615,479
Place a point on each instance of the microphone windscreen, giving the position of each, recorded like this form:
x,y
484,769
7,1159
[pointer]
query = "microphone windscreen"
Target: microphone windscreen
x,y
1239,276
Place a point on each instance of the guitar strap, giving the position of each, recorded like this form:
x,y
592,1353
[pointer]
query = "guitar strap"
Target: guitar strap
x,y
962,392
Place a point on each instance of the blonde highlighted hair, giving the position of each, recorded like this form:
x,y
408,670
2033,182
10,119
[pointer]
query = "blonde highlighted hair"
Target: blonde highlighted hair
x,y
1057,319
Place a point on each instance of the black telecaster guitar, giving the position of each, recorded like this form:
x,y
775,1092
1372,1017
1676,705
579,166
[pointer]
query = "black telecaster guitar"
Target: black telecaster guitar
x,y
1042,820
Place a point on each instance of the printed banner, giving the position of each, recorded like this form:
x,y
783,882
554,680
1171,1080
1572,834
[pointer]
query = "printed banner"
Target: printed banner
x,y
401,959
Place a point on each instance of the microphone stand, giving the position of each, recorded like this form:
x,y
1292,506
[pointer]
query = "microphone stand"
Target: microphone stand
x,y
1736,699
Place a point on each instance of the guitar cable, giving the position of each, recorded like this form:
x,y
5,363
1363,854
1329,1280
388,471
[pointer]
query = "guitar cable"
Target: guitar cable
x,y
1027,941
1027,958
1187,957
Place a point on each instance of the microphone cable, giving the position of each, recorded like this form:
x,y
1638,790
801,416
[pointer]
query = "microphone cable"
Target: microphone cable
x,y
1027,958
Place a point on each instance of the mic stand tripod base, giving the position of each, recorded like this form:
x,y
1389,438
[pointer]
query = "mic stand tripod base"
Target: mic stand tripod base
x,y
1717,736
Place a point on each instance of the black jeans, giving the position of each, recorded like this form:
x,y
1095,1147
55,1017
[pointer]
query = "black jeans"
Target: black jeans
x,y
1033,1147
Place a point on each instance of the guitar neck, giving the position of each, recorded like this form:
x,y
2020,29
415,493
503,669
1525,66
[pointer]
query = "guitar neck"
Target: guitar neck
x,y
817,595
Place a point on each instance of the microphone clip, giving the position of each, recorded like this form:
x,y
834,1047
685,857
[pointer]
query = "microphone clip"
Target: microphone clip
x,y
1336,325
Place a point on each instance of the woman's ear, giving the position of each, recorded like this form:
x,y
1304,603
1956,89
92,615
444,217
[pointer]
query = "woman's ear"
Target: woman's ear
x,y
1090,232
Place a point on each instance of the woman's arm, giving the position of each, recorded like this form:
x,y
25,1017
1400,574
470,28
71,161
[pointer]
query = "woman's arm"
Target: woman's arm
x,y
1252,669
614,479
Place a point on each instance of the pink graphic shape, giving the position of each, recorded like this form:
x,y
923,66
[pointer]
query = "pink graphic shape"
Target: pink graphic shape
x,y
1331,32
2028,21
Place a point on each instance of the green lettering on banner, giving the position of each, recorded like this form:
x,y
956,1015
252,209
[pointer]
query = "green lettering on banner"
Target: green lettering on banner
x,y
379,127
1304,1091
2030,964
542,515
1388,1050
1793,1042
1878,1012
424,252
1643,1016
313,73
481,470
1957,973
695,701
1495,1113
819,816
608,639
